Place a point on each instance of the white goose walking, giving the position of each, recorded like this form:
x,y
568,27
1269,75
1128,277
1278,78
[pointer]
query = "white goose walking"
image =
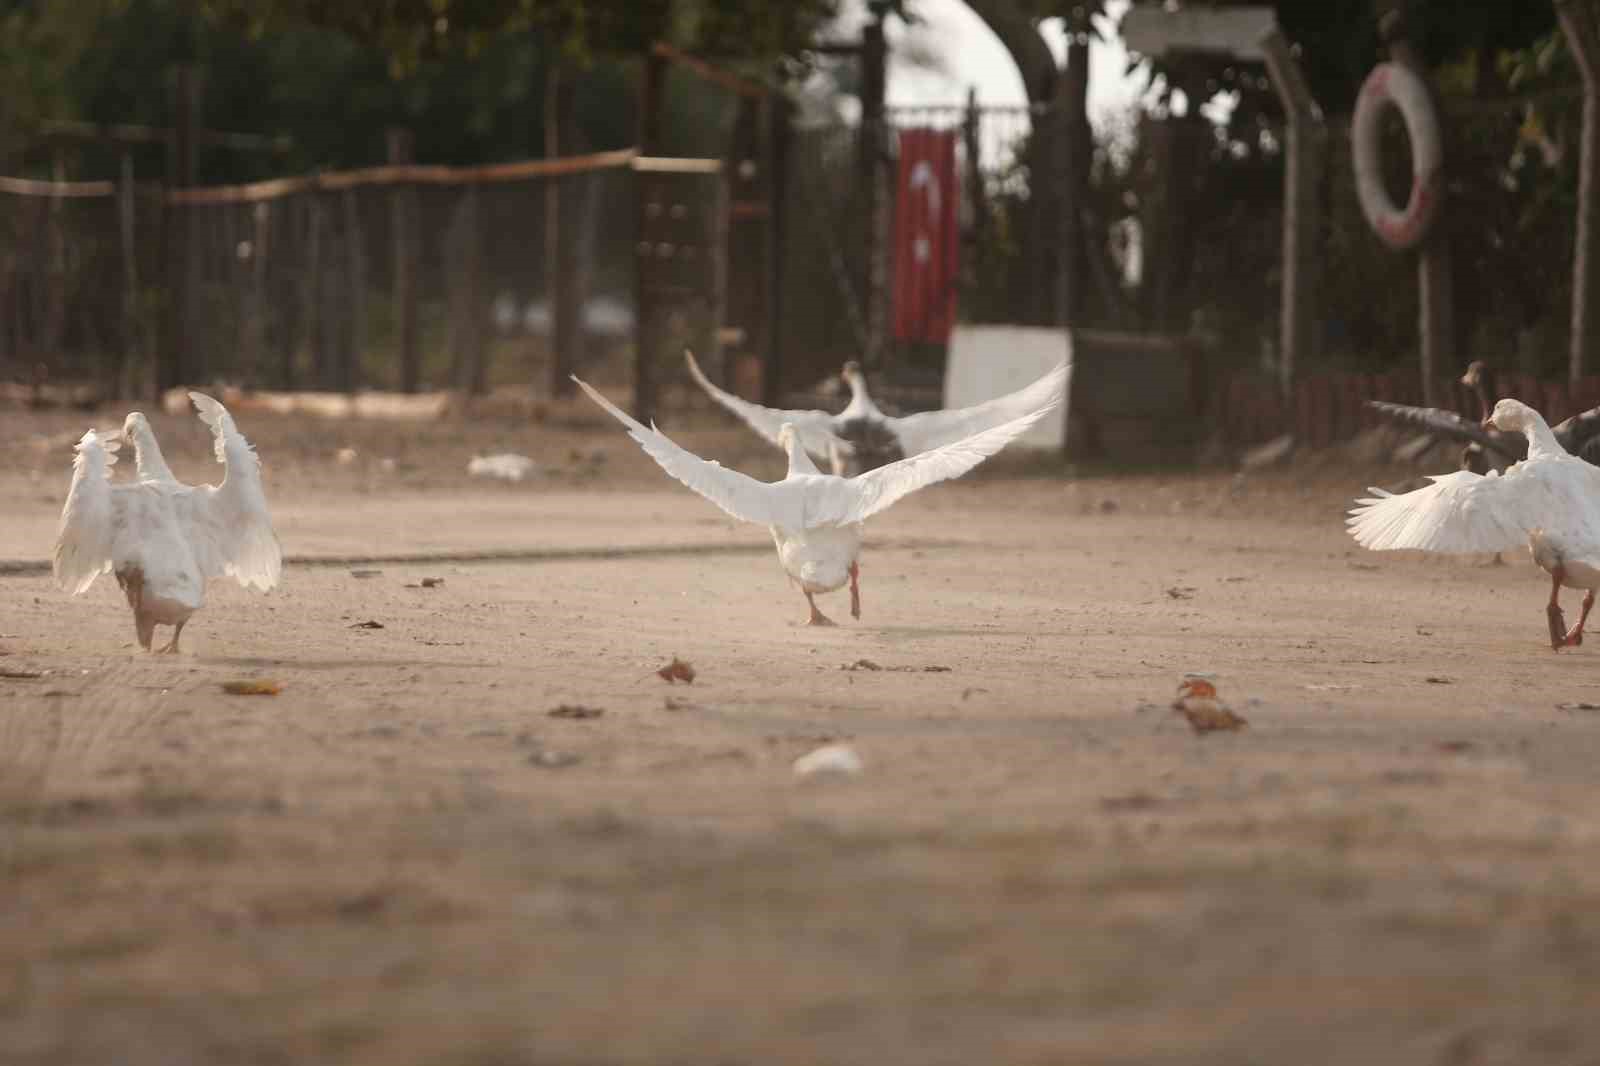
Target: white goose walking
x,y
161,538
1550,501
872,438
816,518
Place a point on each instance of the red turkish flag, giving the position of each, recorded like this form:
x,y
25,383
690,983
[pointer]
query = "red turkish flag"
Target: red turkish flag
x,y
926,238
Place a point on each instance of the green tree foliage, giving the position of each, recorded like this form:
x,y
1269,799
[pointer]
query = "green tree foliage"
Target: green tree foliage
x,y
1508,90
466,76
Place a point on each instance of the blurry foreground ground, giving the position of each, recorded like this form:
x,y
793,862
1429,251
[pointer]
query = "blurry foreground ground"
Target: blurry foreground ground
x,y
402,858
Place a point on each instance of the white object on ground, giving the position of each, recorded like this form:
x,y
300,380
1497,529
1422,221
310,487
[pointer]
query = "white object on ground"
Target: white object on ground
x,y
507,465
816,518
829,759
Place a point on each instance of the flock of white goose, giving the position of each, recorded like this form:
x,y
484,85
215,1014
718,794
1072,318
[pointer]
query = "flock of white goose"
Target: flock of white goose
x,y
163,540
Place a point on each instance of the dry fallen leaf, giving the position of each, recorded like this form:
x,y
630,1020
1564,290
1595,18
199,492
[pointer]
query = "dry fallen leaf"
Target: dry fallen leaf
x,y
1197,701
252,688
1455,747
432,582
1133,801
1578,706
861,664
676,670
368,624
21,675
365,573
575,710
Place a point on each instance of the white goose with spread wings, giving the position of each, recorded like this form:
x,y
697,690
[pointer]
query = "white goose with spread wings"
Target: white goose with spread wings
x,y
161,538
1549,501
816,518
872,438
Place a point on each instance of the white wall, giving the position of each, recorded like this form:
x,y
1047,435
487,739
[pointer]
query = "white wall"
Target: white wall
x,y
990,361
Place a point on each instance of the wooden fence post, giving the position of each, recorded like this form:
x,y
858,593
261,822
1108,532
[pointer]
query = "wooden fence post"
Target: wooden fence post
x,y
403,219
311,286
777,106
869,178
471,364
652,81
355,302
1437,311
560,244
1299,318
255,328
129,355
1578,25
178,365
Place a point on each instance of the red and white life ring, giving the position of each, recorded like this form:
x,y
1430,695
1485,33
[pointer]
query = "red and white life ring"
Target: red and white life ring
x,y
1391,83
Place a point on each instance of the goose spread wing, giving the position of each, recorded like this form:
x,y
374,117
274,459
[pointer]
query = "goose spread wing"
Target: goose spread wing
x,y
815,427
934,429
1449,424
1580,434
859,498
228,525
1459,512
737,494
87,530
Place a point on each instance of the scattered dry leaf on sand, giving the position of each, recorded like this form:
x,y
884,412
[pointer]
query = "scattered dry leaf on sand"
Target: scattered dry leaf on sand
x,y
256,687
676,670
575,710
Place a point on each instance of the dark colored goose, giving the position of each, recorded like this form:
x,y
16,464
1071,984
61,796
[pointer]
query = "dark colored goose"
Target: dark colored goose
x,y
862,437
1487,448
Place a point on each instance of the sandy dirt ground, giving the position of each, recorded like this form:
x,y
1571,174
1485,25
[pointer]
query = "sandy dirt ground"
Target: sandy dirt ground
x,y
403,858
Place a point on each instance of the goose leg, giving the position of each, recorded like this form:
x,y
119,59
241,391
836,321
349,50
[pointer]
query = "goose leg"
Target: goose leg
x,y
1575,634
1558,621
817,617
172,648
144,627
855,592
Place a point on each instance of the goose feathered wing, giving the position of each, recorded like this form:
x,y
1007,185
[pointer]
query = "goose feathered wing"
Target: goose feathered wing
x,y
739,495
934,429
85,535
808,501
1580,434
1442,423
815,427
859,498
228,525
1467,512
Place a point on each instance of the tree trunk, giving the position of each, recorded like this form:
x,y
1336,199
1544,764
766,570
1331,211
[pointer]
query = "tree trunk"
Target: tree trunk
x,y
1051,290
